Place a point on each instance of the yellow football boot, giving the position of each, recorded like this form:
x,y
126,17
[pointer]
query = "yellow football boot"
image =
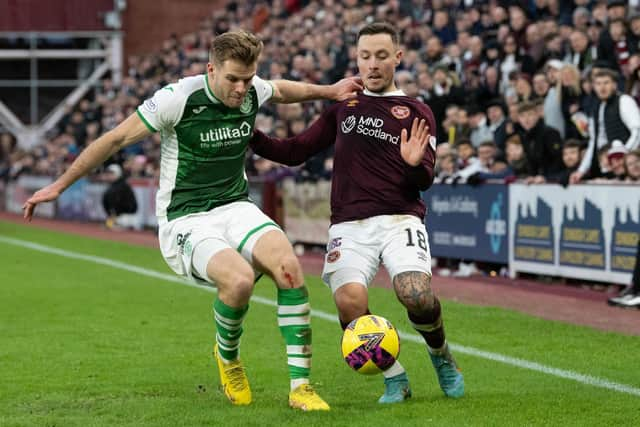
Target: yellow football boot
x,y
234,380
304,397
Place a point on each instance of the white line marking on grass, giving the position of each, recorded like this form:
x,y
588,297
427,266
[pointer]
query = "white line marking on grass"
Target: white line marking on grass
x,y
471,351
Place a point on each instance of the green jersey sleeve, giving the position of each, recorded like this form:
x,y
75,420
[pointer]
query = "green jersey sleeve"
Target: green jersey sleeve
x,y
264,89
164,109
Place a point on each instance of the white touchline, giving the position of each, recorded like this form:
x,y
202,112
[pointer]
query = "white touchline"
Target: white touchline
x,y
471,351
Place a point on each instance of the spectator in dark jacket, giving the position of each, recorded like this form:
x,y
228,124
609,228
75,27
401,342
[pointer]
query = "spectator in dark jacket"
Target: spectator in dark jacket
x,y
571,156
6,147
490,86
616,9
516,157
542,144
497,122
119,198
444,93
581,54
622,45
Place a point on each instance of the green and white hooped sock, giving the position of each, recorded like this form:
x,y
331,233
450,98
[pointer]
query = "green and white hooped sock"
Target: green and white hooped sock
x,y
294,320
229,329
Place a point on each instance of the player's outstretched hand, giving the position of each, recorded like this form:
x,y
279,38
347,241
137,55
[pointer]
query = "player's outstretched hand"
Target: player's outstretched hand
x,y
46,194
347,88
412,150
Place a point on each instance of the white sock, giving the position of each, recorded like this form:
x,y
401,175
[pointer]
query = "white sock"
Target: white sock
x,y
295,383
394,370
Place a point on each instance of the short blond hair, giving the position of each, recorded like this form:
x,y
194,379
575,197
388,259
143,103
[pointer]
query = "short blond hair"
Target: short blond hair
x,y
240,45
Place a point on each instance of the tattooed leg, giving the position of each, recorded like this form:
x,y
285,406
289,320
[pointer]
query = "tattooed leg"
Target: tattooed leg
x,y
413,289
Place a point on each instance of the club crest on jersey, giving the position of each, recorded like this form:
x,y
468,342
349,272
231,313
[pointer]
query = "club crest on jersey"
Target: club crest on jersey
x,y
333,256
247,104
400,112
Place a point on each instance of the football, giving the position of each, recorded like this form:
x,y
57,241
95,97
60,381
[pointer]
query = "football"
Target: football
x,y
370,344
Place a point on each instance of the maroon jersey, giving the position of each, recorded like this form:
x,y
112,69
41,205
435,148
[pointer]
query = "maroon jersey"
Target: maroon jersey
x,y
369,175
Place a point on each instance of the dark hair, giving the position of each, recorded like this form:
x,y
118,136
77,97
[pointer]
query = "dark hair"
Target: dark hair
x,y
616,21
463,141
379,28
604,150
513,138
606,73
538,102
583,32
572,143
488,143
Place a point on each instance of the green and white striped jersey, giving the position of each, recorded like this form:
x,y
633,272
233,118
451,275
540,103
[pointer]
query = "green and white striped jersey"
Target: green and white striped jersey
x,y
203,145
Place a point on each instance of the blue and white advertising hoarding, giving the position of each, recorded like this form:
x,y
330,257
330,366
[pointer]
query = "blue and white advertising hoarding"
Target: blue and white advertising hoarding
x,y
584,231
470,223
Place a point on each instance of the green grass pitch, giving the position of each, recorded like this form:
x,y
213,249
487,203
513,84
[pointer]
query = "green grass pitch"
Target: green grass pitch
x,y
83,344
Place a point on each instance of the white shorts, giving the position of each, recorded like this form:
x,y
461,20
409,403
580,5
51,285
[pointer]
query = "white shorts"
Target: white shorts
x,y
237,225
356,248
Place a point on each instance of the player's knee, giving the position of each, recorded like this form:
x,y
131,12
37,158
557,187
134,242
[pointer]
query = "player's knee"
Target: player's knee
x,y
351,302
290,274
413,290
241,284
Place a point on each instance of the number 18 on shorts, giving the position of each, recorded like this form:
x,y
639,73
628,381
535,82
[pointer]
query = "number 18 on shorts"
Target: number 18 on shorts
x,y
399,241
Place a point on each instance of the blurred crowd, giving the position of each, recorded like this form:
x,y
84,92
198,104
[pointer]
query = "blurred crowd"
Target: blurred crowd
x,y
532,90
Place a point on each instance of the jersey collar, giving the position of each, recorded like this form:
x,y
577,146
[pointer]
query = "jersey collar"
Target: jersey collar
x,y
394,93
209,92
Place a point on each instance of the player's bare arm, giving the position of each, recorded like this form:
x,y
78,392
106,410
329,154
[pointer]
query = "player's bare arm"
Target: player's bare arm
x,y
413,147
287,91
128,132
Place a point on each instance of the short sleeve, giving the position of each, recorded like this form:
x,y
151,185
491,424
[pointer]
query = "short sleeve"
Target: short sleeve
x,y
264,89
163,109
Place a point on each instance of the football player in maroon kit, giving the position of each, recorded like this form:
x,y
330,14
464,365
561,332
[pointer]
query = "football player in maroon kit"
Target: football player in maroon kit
x,y
377,213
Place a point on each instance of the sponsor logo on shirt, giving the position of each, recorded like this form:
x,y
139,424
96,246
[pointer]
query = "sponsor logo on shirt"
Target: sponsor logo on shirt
x,y
224,134
348,124
400,112
185,243
150,105
368,126
199,110
352,103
